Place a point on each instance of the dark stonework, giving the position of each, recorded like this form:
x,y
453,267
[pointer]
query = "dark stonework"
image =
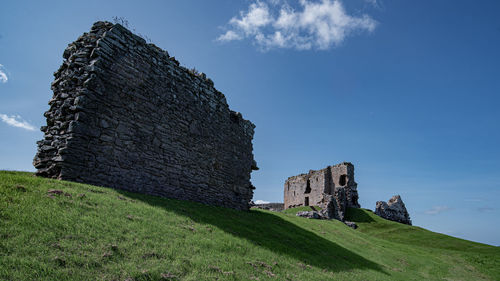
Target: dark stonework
x,y
351,224
394,210
334,206
125,115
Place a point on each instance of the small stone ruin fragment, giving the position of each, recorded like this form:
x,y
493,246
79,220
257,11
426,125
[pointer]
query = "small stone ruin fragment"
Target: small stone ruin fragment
x,y
394,210
351,224
310,215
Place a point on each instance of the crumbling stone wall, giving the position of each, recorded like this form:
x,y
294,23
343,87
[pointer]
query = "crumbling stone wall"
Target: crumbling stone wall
x,y
310,189
394,210
125,115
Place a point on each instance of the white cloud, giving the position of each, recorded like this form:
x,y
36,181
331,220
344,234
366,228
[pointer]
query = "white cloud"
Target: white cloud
x,y
437,210
316,25
229,36
3,75
16,121
256,17
261,202
372,2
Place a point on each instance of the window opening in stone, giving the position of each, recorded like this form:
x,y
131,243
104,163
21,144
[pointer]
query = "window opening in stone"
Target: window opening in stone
x,y
342,180
308,187
306,201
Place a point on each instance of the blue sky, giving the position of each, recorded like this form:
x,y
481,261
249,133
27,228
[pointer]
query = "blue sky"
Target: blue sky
x,y
408,91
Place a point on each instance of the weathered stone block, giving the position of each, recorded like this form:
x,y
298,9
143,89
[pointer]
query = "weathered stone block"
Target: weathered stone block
x,y
309,215
394,210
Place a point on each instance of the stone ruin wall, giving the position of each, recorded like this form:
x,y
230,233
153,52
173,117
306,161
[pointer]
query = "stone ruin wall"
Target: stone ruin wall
x,y
317,183
394,210
125,115
296,189
343,176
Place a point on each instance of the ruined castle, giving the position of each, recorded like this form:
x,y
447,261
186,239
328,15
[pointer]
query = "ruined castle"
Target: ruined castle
x,y
332,187
308,189
126,115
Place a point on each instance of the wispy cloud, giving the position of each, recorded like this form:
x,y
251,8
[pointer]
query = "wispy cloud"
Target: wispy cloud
x,y
316,25
261,202
229,36
437,210
372,2
3,75
16,121
485,209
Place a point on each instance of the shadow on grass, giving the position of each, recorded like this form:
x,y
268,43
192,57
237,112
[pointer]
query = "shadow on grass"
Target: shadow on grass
x,y
358,215
268,231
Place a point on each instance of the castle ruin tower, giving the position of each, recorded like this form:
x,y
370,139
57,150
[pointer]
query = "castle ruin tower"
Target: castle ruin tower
x,y
309,189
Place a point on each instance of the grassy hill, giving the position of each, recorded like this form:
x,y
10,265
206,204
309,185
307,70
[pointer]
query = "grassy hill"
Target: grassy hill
x,y
95,233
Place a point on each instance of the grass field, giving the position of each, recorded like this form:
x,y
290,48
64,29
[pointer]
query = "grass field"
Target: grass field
x,y
95,233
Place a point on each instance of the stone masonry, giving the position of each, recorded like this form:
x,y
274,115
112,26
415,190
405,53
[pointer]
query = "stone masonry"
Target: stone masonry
x,y
394,210
333,188
126,115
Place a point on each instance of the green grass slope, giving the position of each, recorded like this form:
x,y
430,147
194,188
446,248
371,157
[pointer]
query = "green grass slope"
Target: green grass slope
x,y
293,211
95,233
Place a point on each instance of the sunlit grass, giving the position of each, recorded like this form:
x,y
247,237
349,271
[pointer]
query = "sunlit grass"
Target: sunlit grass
x,y
96,233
